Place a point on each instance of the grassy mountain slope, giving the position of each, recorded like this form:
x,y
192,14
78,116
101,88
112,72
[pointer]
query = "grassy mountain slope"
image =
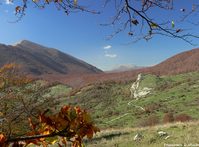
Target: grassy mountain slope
x,y
179,134
111,105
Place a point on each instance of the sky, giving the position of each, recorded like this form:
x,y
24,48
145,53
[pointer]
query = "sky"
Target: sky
x,y
82,36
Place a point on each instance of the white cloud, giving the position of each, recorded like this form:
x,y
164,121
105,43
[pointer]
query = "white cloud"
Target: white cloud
x,y
106,52
8,2
110,55
107,47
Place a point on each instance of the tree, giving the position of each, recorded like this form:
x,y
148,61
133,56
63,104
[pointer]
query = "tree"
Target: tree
x,y
138,18
26,116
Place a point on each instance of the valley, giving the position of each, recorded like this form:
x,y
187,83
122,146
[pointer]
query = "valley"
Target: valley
x,y
121,104
169,94
120,116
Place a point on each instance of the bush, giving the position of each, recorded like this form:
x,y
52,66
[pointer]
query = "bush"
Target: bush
x,y
152,107
149,121
183,118
29,118
168,117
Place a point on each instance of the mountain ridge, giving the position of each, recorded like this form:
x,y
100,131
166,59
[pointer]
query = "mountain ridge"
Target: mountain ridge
x,y
37,59
183,62
124,67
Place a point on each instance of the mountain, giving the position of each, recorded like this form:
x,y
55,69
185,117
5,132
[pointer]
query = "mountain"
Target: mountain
x,y
125,67
181,63
37,60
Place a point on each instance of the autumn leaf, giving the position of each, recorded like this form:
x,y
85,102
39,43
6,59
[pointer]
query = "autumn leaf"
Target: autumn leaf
x,y
65,109
2,140
89,133
72,114
135,22
178,30
95,129
64,141
47,1
78,110
53,141
86,117
154,25
172,24
75,2
17,9
31,124
71,123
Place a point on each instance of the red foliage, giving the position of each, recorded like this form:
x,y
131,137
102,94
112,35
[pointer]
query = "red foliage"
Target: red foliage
x,y
183,118
72,124
168,117
181,63
150,121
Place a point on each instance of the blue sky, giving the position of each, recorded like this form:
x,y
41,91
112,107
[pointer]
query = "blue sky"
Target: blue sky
x,y
81,35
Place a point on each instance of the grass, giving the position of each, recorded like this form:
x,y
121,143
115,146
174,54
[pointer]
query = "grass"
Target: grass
x,y
109,101
58,90
35,97
108,105
180,133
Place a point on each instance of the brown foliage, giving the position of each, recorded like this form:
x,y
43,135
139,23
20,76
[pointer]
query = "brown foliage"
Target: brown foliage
x,y
168,67
149,121
183,118
71,124
180,63
168,117
152,107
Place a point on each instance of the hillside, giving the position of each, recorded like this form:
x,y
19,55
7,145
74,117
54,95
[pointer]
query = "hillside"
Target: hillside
x,y
112,106
37,60
121,117
179,135
53,65
181,63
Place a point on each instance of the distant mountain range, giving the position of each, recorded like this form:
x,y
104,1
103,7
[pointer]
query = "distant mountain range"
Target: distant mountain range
x,y
51,64
125,67
38,60
181,63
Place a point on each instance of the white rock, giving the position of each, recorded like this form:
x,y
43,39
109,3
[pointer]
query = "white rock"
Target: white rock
x,y
167,137
136,92
162,133
137,137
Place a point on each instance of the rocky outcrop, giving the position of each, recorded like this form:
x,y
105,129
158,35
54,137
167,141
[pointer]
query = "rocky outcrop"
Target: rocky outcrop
x,y
137,91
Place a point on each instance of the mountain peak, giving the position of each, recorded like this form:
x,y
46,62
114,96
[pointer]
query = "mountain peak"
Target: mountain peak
x,y
26,43
37,59
125,67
